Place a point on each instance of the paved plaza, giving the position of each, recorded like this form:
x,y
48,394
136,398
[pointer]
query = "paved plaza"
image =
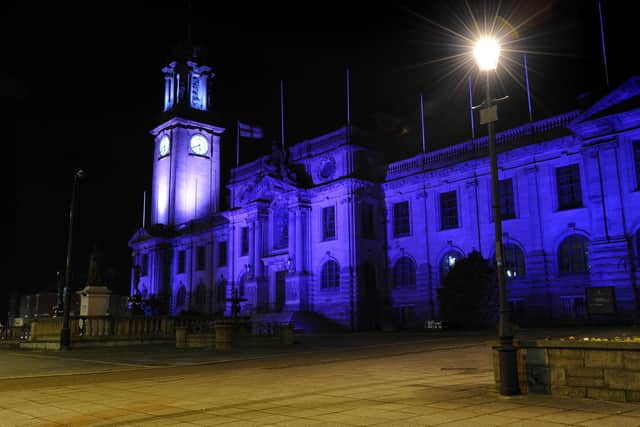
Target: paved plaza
x,y
403,379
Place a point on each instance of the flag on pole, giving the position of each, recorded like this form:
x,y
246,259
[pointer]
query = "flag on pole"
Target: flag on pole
x,y
248,131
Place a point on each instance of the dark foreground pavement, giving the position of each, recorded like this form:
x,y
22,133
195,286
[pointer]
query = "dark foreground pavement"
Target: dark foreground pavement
x,y
347,379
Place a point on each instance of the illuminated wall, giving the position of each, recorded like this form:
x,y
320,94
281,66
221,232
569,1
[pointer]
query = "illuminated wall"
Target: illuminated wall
x,y
368,251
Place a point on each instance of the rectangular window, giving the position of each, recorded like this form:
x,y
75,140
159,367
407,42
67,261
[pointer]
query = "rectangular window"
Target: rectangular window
x,y
448,210
145,265
569,189
182,261
507,205
636,158
328,223
244,248
368,229
201,258
222,254
572,307
281,228
401,219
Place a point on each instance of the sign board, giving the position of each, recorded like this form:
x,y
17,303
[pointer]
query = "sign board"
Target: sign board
x,y
489,115
601,300
18,322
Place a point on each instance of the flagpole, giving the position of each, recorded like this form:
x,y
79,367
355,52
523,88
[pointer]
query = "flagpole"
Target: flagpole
x,y
424,146
526,76
237,143
348,104
473,128
604,50
282,111
144,209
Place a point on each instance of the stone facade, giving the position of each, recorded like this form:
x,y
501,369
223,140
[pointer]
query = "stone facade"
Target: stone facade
x,y
330,227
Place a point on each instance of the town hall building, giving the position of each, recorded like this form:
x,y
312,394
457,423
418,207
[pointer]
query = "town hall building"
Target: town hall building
x,y
329,228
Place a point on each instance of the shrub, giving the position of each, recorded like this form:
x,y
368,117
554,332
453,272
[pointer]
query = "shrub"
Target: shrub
x,y
469,294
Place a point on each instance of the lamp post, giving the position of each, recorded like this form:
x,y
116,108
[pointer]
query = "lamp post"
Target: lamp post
x,y
65,332
486,53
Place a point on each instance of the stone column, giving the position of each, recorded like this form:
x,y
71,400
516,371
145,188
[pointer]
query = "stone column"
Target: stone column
x,y
609,252
536,264
292,291
262,291
257,247
252,246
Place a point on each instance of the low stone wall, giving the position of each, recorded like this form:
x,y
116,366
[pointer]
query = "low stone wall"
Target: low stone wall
x,y
88,331
226,335
606,370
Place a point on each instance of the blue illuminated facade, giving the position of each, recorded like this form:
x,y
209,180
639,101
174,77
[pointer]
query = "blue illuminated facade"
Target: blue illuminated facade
x,y
329,227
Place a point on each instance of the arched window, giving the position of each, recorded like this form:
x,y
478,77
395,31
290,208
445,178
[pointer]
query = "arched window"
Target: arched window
x,y
447,262
513,259
201,296
330,275
404,273
181,298
573,254
280,227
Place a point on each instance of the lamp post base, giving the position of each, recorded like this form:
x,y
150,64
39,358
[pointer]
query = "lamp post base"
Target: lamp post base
x,y
65,339
508,365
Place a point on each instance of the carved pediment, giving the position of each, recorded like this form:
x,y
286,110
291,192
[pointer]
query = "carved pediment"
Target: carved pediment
x,y
265,188
140,236
623,98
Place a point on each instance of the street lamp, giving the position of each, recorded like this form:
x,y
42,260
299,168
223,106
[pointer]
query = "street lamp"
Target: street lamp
x,y
65,332
486,53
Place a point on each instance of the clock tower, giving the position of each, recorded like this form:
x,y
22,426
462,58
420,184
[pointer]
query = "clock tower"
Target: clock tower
x,y
186,155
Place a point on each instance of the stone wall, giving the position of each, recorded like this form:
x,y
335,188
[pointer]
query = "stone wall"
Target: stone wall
x,y
606,370
227,335
101,330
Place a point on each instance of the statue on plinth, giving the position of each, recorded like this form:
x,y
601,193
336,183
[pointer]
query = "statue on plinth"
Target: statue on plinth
x,y
95,267
95,297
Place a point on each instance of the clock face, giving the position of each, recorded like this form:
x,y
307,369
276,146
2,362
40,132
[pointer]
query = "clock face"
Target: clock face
x,y
164,146
199,144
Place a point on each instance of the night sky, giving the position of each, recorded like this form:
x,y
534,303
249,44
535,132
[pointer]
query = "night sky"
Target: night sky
x,y
82,86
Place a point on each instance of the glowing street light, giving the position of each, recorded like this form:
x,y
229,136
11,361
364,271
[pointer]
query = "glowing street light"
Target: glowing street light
x,y
486,53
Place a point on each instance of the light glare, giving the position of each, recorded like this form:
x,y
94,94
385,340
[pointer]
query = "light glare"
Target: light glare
x,y
486,53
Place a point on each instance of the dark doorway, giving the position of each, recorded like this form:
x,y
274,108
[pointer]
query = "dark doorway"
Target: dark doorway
x,y
281,277
369,297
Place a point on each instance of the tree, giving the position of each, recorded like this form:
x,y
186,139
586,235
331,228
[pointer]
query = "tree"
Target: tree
x,y
469,294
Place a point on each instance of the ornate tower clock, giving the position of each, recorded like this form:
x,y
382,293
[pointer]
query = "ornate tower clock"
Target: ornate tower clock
x,y
186,157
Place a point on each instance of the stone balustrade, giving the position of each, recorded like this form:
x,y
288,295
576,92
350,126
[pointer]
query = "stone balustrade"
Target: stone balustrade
x,y
104,328
511,138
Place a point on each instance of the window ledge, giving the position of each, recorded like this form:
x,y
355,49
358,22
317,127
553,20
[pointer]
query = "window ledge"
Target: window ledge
x,y
569,209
